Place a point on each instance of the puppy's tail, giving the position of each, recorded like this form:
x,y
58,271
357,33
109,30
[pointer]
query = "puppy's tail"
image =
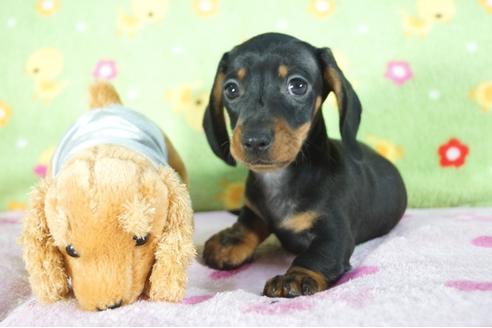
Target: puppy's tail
x,y
102,94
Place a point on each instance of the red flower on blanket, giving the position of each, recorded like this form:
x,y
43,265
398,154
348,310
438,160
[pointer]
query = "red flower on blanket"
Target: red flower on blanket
x,y
399,72
105,69
453,153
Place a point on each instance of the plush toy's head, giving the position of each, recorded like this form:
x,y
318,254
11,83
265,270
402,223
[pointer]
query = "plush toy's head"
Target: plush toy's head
x,y
97,215
114,226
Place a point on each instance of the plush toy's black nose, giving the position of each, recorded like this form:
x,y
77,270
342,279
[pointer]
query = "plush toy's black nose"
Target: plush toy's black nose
x,y
115,305
258,142
111,307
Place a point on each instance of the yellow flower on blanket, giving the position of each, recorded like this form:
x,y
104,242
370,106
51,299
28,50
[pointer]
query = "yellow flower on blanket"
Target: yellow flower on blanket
x,y
385,148
487,4
321,8
189,100
482,95
5,113
47,7
206,7
232,194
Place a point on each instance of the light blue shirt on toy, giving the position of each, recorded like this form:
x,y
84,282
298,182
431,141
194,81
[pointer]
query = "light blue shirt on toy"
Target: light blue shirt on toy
x,y
116,125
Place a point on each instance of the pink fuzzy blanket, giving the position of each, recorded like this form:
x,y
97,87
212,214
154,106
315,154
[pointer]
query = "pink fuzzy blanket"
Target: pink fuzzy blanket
x,y
434,268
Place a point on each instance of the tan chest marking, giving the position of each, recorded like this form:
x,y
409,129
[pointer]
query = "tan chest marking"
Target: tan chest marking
x,y
300,221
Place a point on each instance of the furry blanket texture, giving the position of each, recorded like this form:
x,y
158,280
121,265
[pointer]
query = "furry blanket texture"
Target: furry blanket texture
x,y
434,268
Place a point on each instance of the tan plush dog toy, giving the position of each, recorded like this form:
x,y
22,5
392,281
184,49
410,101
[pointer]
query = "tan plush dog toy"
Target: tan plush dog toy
x,y
111,220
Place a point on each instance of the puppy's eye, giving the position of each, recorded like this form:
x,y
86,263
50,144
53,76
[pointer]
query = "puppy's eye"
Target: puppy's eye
x,y
139,241
231,90
71,251
297,86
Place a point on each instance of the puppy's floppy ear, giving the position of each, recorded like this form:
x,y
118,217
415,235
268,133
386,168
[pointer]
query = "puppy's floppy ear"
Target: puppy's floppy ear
x,y
349,106
213,120
175,249
43,260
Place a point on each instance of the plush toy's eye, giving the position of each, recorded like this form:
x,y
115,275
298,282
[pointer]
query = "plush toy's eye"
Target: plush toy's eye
x,y
71,251
139,241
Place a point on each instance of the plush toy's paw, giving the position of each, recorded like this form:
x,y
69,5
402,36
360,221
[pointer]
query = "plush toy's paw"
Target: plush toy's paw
x,y
296,282
230,248
168,290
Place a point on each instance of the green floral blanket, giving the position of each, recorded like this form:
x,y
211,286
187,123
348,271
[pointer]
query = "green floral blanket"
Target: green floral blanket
x,y
422,69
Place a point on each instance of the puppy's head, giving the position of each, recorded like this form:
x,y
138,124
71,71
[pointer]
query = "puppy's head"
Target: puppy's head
x,y
272,87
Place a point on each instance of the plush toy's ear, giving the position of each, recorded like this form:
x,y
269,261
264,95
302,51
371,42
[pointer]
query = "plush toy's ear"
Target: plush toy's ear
x,y
137,217
175,249
214,121
349,106
44,262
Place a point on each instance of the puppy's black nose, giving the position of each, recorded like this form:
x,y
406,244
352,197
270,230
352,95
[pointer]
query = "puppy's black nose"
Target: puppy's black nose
x,y
257,142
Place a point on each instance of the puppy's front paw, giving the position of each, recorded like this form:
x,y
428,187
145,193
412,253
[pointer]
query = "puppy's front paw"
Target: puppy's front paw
x,y
230,248
296,282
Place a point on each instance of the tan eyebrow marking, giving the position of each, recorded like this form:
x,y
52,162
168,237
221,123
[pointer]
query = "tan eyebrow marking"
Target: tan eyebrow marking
x,y
241,73
283,71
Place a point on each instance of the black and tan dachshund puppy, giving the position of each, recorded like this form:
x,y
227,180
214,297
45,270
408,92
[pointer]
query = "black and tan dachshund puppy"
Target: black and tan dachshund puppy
x,y
319,196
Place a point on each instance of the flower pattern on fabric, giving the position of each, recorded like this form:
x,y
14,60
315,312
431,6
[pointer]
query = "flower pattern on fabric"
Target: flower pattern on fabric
x,y
105,69
453,153
386,148
5,113
40,169
206,7
15,205
321,8
280,307
487,4
151,46
47,7
470,285
232,194
482,95
399,72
